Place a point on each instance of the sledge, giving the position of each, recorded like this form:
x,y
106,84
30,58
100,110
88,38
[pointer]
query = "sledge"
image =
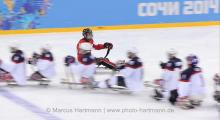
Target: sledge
x,y
153,84
8,79
71,83
5,77
44,82
104,71
41,80
121,89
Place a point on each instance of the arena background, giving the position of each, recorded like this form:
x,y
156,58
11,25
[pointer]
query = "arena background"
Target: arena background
x,y
69,15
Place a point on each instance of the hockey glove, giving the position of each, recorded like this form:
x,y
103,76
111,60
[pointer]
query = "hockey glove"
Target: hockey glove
x,y
162,65
108,45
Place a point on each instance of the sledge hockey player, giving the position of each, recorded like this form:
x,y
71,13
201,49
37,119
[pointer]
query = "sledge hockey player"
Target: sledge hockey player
x,y
85,67
170,76
16,67
130,75
88,38
44,63
217,87
191,84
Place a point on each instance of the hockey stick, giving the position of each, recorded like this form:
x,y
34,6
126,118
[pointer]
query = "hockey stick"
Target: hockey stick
x,y
107,53
2,70
3,78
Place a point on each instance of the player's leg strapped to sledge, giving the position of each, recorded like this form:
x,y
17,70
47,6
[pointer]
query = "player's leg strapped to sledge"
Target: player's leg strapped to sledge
x,y
5,76
16,71
183,92
106,63
116,82
44,63
165,91
127,80
84,73
36,76
33,62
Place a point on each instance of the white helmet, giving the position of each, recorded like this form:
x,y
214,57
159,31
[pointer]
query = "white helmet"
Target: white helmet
x,y
172,52
217,77
133,50
46,47
85,46
14,45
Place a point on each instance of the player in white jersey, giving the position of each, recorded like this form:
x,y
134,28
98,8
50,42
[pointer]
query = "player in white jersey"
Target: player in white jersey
x,y
44,63
191,84
83,69
16,67
170,76
217,87
130,74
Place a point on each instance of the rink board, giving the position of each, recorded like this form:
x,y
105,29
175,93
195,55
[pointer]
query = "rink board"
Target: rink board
x,y
73,16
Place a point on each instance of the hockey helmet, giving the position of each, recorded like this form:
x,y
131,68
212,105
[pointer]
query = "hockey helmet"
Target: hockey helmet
x,y
68,60
13,47
172,52
46,47
217,77
87,33
192,59
133,50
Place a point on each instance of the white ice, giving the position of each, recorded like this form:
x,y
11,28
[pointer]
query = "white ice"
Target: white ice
x,y
152,45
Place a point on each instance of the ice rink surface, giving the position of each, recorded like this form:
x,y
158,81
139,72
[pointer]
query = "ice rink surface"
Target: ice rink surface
x,y
57,102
